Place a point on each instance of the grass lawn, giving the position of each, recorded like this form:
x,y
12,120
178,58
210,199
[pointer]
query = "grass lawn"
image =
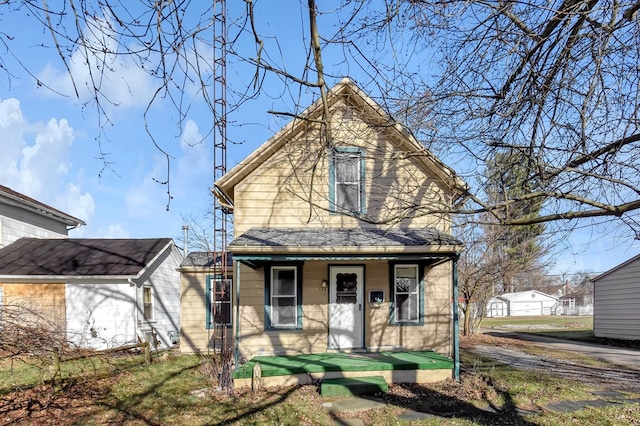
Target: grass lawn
x,y
180,390
578,328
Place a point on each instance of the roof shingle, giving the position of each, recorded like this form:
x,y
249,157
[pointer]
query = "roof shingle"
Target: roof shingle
x,y
356,237
79,256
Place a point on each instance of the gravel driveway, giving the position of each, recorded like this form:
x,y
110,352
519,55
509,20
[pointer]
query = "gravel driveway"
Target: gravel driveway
x,y
622,371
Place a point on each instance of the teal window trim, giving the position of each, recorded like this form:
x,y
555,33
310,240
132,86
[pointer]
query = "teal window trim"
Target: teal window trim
x,y
268,271
392,294
333,208
209,300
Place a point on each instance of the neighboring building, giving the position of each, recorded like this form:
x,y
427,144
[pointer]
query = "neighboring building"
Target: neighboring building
x,y
579,299
522,303
22,216
616,298
103,292
201,277
340,246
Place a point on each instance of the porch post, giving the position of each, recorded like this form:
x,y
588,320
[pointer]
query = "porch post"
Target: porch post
x,y
456,325
236,352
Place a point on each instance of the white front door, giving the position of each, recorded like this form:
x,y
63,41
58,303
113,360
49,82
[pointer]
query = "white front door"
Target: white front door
x,y
346,288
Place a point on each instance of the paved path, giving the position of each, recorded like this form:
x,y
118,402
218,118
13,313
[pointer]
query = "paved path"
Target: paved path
x,y
612,354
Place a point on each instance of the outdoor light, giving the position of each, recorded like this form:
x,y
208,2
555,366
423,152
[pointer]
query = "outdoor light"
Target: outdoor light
x,y
323,285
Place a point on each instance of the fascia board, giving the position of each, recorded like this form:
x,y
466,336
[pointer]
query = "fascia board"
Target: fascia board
x,y
343,250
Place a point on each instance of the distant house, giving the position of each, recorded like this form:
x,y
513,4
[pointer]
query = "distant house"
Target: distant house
x,y
22,216
578,300
201,279
341,245
102,292
522,303
616,294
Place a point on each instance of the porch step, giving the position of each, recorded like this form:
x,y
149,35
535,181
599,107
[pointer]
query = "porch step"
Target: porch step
x,y
353,386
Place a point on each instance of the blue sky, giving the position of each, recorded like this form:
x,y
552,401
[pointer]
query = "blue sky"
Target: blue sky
x,y
49,149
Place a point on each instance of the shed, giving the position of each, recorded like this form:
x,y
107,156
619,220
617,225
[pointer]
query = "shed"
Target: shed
x,y
522,303
616,295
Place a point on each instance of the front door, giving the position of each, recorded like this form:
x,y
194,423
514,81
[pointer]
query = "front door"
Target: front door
x,y
345,307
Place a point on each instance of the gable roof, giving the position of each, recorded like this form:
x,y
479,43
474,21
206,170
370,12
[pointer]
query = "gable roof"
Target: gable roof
x,y
524,295
9,196
615,268
80,257
346,89
204,259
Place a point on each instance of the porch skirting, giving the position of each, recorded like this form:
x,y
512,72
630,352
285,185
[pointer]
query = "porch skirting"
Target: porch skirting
x,y
395,367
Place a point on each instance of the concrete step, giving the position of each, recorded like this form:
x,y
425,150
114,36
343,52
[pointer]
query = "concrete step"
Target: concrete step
x,y
353,386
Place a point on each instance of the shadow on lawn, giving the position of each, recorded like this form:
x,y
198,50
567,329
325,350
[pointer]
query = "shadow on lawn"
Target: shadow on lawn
x,y
435,403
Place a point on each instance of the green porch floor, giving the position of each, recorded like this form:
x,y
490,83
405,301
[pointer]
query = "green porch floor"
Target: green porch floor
x,y
328,362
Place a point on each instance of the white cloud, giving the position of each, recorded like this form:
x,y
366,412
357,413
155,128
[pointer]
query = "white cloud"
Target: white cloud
x,y
119,80
35,161
196,162
145,198
191,173
75,203
113,231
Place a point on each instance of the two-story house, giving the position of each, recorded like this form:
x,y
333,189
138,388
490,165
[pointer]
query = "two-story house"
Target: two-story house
x,y
342,244
23,216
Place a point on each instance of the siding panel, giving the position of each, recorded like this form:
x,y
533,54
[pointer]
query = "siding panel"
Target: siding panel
x,y
617,303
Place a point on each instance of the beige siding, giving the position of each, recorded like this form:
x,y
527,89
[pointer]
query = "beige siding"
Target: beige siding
x,y
291,189
435,334
616,312
194,334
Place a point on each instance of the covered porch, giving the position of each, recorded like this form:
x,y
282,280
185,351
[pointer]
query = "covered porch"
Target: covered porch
x,y
394,367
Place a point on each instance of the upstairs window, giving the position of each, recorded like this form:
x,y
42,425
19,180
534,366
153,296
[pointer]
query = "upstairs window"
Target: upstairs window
x,y
346,181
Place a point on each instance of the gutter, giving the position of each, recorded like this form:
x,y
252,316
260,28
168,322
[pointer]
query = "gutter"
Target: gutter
x,y
136,319
223,199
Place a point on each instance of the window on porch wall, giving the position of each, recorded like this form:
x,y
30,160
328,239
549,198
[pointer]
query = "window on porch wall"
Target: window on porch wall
x,y
218,304
283,297
406,294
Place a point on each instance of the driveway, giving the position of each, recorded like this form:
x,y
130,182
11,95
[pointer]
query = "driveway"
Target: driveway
x,y
611,354
621,373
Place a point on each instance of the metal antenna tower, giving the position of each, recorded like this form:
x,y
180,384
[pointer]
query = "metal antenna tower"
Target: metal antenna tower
x,y
219,292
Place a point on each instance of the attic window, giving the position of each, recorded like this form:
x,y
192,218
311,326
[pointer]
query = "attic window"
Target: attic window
x,y
346,181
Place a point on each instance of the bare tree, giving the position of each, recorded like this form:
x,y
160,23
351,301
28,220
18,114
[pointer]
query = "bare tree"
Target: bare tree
x,y
557,81
487,267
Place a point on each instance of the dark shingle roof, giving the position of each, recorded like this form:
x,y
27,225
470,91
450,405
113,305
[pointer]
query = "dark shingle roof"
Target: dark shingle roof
x,y
204,259
79,256
357,237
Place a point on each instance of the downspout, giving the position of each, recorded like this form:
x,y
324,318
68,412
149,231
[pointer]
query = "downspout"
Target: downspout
x,y
135,297
236,354
456,321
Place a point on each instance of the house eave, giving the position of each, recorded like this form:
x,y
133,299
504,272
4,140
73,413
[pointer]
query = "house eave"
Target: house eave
x,y
8,279
42,210
345,250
